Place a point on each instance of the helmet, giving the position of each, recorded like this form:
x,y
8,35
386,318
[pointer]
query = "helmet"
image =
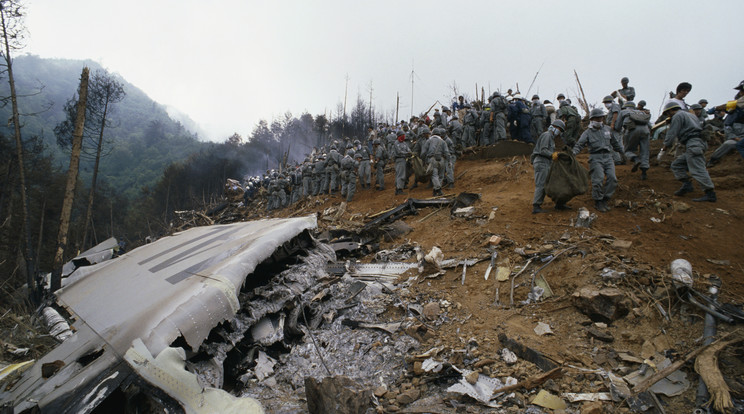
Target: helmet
x,y
740,85
467,106
641,103
376,141
535,97
356,142
517,96
696,106
629,104
358,155
509,98
348,145
559,124
596,113
445,109
439,131
563,103
607,98
624,79
496,94
560,95
670,105
703,101
424,130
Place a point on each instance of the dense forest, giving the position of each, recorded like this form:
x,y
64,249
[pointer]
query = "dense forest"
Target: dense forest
x,y
149,165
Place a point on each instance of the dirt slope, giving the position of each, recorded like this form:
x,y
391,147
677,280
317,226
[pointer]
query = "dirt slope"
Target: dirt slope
x,y
706,234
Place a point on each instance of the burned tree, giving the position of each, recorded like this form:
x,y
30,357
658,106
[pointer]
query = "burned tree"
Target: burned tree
x,y
13,30
104,91
72,173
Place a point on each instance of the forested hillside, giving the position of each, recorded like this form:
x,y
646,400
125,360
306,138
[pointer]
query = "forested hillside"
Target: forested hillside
x,y
141,141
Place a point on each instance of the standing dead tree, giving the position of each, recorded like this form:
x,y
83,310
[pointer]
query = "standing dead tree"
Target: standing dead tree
x,y
13,30
72,173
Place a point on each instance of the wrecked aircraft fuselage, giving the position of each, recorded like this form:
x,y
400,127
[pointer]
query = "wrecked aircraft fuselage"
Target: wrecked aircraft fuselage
x,y
138,318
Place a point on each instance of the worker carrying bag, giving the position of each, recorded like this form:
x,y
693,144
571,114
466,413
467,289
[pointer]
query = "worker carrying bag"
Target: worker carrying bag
x,y
566,179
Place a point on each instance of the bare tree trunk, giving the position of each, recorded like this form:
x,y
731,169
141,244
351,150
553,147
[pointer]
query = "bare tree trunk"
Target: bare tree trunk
x,y
89,210
72,173
26,234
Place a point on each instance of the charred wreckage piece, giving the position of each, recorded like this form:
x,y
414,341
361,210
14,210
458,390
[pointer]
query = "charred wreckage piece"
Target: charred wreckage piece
x,y
189,301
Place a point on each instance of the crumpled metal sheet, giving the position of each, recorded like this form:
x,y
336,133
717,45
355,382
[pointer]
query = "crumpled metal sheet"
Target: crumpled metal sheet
x,y
185,284
180,285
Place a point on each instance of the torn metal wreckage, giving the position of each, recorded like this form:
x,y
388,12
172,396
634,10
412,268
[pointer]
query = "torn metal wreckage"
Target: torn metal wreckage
x,y
139,319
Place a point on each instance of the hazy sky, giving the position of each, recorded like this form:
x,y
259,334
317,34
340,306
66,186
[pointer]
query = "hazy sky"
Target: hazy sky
x,y
229,63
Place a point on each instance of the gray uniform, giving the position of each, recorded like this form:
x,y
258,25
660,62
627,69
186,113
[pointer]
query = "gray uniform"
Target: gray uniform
x,y
455,130
498,111
537,124
486,134
450,168
307,178
637,135
468,132
628,93
436,152
570,116
401,151
347,164
541,159
600,143
616,130
365,167
352,167
380,159
685,128
332,169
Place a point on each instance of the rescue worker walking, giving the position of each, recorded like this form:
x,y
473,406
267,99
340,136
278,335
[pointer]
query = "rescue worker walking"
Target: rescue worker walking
x,y
380,159
600,142
435,150
541,158
685,128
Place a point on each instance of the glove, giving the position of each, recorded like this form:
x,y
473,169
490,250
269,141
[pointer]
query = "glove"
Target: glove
x,y
730,106
555,156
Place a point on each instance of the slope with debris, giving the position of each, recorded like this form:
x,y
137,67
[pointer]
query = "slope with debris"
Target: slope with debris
x,y
508,311
627,251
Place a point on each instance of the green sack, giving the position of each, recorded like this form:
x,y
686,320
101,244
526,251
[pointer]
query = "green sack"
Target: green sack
x,y
419,169
566,179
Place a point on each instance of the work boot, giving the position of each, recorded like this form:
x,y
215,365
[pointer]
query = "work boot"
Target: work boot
x,y
562,207
398,191
415,185
636,164
710,195
450,185
536,209
686,188
644,177
599,205
606,202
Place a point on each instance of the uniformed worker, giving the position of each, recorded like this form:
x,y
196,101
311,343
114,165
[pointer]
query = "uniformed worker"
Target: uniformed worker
x,y
541,158
686,129
380,154
539,113
570,117
600,142
400,153
436,152
637,135
614,121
